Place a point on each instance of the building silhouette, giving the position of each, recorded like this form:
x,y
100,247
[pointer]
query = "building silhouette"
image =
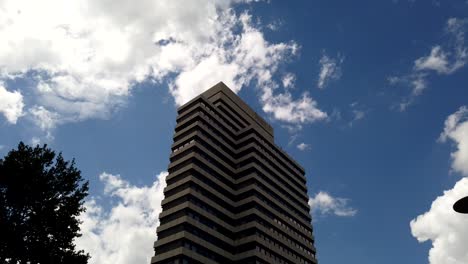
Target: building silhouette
x,y
232,195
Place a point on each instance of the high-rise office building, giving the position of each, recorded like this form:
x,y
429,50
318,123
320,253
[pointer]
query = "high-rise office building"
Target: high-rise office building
x,y
232,195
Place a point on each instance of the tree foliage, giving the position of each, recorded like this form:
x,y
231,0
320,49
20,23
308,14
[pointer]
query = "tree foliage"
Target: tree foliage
x,y
41,196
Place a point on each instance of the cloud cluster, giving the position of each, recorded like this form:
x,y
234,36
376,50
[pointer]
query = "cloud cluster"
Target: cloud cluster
x,y
11,104
84,57
303,146
325,204
125,232
284,108
330,69
447,61
443,59
446,229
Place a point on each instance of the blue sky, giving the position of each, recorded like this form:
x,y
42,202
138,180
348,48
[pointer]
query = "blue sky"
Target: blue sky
x,y
369,96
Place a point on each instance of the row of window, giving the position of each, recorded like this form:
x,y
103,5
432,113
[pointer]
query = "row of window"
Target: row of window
x,y
272,150
280,260
280,211
204,252
292,209
274,195
285,238
282,225
212,140
271,158
232,114
301,188
263,159
263,150
284,249
208,109
255,160
278,189
263,141
183,146
213,226
219,145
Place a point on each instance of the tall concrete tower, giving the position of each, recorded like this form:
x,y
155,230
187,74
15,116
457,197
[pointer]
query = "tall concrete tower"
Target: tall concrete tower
x,y
232,195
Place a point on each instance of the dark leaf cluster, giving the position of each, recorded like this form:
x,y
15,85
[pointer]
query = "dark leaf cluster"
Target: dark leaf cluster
x,y
41,196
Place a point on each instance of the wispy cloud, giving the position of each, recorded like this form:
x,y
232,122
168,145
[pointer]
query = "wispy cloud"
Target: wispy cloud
x,y
358,113
288,80
443,59
325,204
330,69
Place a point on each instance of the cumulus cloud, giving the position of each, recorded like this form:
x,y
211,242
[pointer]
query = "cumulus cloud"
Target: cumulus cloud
x,y
283,107
443,59
330,69
446,229
85,56
456,130
125,232
11,104
325,204
303,146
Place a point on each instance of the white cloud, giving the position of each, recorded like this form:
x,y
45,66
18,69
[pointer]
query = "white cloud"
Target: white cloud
x,y
436,61
285,108
303,146
288,80
450,60
445,59
446,229
330,69
11,104
125,233
44,118
85,56
325,204
456,129
275,25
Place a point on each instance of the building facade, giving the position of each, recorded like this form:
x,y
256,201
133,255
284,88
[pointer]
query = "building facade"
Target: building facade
x,y
232,195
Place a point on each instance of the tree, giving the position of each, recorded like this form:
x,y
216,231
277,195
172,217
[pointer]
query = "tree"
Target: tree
x,y
41,196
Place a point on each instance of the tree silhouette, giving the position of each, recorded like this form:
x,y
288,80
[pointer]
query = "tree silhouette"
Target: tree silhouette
x,y
41,196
